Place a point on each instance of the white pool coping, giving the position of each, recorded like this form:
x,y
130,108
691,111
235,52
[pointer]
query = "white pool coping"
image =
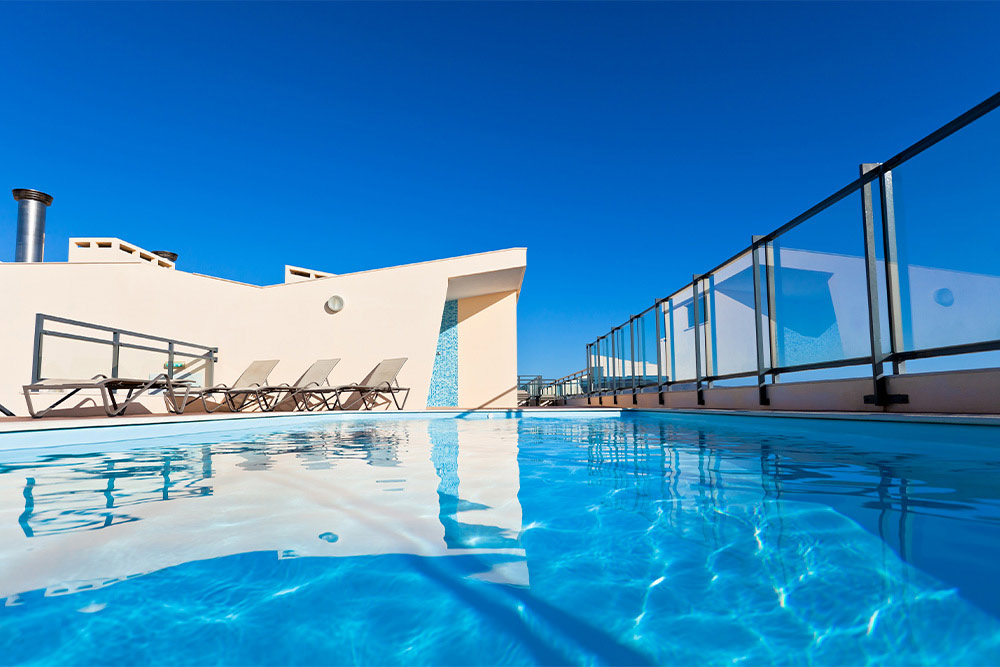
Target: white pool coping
x,y
67,432
21,434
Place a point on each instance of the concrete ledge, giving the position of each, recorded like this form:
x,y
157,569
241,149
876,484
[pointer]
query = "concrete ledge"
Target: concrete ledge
x,y
868,417
948,393
976,391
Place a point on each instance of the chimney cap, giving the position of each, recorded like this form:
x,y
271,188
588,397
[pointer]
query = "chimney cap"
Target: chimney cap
x,y
37,195
166,254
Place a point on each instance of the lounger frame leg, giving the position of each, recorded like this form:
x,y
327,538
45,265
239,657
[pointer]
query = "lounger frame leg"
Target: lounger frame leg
x,y
41,413
108,395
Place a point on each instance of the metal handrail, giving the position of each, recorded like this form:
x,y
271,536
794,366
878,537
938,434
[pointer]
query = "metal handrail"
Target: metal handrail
x,y
209,353
869,173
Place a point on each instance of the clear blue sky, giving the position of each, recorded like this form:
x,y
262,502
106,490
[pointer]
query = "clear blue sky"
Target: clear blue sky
x,y
627,146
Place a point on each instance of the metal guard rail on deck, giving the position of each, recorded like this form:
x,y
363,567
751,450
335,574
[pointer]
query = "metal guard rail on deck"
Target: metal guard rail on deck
x,y
608,350
209,354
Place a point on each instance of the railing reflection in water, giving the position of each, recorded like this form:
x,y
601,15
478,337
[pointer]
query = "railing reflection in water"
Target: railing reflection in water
x,y
792,493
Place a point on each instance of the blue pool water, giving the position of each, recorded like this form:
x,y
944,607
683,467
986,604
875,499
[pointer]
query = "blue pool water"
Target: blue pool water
x,y
634,539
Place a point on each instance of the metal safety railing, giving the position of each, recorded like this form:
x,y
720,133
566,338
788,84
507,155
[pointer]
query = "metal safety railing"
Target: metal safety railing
x,y
574,384
172,348
529,388
898,265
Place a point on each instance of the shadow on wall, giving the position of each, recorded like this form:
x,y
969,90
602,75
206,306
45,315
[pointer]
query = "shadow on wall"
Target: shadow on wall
x,y
480,304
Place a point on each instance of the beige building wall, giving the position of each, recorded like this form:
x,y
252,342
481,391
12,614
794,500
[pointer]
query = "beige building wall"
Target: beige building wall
x,y
392,312
487,351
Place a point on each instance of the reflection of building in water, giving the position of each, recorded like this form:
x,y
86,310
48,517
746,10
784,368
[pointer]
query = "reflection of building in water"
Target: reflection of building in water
x,y
469,520
338,491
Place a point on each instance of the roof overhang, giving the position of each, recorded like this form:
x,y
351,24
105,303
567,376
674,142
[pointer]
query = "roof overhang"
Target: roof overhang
x,y
487,282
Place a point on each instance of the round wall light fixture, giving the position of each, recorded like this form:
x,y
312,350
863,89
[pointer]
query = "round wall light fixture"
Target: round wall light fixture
x,y
334,304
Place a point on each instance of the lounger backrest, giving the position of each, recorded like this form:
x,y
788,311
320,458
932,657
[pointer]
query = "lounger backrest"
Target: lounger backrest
x,y
317,374
386,371
255,374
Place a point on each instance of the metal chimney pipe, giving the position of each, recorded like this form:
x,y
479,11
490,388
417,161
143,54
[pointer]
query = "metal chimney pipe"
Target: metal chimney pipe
x,y
31,205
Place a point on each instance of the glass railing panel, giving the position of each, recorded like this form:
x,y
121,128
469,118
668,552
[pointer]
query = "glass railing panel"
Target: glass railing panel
x,y
645,345
608,362
820,288
947,215
702,327
609,365
765,307
140,364
68,358
664,343
680,321
621,360
601,363
731,338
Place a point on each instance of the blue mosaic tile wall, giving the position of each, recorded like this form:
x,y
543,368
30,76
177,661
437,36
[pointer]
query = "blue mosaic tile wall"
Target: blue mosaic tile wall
x,y
444,378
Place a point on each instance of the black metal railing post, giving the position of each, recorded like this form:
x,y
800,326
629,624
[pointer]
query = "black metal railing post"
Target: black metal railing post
x,y
709,329
590,373
871,283
213,357
697,343
116,340
880,395
36,361
772,316
614,367
658,312
894,300
758,324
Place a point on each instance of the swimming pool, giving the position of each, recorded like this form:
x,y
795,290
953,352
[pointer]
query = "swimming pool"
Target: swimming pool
x,y
588,538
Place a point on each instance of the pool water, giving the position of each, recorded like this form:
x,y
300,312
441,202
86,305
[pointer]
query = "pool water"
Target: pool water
x,y
635,539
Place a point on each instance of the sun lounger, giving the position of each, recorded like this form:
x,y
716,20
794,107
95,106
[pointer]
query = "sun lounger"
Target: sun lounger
x,y
364,395
315,376
249,389
108,388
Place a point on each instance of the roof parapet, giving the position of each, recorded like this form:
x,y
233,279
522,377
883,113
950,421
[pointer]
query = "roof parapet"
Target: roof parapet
x,y
86,250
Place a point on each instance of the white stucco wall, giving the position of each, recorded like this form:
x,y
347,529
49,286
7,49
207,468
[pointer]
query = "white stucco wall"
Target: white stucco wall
x,y
392,312
487,351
